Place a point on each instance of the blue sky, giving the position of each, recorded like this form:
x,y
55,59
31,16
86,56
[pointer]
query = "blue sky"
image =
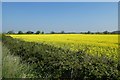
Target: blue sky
x,y
58,16
0,17
60,0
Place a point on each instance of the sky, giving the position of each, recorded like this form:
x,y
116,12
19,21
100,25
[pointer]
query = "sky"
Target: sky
x,y
119,16
0,17
60,0
58,16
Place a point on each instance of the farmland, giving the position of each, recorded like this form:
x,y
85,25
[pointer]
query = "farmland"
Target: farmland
x,y
93,44
60,40
83,56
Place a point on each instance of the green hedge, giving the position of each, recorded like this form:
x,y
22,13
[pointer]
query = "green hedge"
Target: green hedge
x,y
51,62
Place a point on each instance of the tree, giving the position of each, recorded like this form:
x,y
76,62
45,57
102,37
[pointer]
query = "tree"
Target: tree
x,y
37,32
62,32
10,32
52,32
88,32
20,32
105,32
29,32
97,33
42,32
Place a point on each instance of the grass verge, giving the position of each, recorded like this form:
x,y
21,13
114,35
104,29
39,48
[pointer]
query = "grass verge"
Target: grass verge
x,y
12,67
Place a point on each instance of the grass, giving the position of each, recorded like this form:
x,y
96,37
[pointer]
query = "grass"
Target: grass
x,y
12,67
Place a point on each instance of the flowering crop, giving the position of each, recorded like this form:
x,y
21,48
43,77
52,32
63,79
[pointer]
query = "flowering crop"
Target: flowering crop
x,y
91,43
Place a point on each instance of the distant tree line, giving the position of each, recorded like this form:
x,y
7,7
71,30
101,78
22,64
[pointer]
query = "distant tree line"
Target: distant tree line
x,y
62,32
28,32
88,32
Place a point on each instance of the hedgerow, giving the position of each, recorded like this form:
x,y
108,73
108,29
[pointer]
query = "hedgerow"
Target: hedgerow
x,y
51,62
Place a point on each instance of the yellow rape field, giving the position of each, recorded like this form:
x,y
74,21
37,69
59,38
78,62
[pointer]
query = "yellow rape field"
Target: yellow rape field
x,y
91,43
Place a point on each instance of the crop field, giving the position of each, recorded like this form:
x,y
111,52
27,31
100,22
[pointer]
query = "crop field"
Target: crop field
x,y
92,44
77,56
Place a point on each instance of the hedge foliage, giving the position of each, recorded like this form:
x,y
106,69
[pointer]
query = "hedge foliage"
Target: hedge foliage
x,y
51,62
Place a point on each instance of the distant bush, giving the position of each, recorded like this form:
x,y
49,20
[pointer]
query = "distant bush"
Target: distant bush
x,y
20,32
29,32
62,32
37,32
10,32
52,62
52,32
105,32
42,32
